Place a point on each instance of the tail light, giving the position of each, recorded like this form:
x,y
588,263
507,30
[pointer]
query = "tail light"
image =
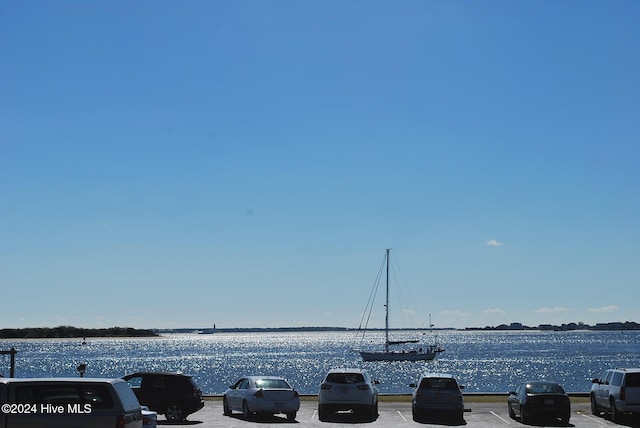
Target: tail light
x,y
120,422
363,387
325,386
622,393
295,393
197,392
258,394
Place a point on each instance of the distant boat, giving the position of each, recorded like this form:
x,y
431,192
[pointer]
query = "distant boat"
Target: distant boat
x,y
423,353
208,330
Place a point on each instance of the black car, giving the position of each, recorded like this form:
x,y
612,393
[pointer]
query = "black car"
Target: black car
x,y
175,395
539,400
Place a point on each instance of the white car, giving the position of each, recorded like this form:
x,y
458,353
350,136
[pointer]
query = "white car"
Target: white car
x,y
149,418
617,391
253,395
348,390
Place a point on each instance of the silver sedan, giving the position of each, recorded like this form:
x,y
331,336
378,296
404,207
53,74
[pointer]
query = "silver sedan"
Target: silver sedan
x,y
267,395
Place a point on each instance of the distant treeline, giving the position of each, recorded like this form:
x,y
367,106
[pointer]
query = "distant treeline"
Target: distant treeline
x,y
64,332
627,325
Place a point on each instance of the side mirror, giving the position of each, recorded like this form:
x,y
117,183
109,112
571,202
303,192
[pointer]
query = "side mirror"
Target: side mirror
x,y
511,393
376,382
596,380
413,385
461,386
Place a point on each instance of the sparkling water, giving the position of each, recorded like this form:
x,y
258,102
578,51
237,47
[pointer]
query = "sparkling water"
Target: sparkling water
x,y
483,361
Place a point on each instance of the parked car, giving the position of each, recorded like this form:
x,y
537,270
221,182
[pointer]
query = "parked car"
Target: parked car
x,y
348,389
149,418
175,395
437,394
253,395
69,402
539,400
617,391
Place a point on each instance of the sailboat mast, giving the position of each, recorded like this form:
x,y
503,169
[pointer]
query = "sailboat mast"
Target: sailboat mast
x,y
386,318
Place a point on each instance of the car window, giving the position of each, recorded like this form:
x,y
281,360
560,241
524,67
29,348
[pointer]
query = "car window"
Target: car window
x,y
345,378
439,383
272,384
616,380
244,384
632,380
156,382
608,379
135,382
96,395
545,389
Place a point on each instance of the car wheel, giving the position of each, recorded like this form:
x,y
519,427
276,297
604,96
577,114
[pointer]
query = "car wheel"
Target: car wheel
x,y
323,414
246,413
523,418
291,416
225,407
615,415
174,413
594,406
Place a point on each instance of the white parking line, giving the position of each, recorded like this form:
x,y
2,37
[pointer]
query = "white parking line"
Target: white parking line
x,y
402,416
598,420
313,415
500,417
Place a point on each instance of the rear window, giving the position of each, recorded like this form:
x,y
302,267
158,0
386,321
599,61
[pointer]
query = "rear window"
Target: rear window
x,y
632,380
545,389
96,395
272,384
616,380
345,378
440,383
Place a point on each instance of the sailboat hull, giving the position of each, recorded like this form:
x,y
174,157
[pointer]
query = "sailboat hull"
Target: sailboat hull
x,y
397,356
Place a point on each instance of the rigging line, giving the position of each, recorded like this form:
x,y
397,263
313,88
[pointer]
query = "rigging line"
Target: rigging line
x,y
372,297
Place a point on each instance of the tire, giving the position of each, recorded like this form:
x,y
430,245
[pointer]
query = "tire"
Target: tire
x,y
174,413
523,418
615,414
291,416
246,413
594,406
225,407
323,414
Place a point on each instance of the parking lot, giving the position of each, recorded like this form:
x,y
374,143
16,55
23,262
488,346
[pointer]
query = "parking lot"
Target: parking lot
x,y
479,414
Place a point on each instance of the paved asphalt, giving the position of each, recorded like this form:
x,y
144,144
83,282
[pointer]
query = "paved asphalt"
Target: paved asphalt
x,y
392,415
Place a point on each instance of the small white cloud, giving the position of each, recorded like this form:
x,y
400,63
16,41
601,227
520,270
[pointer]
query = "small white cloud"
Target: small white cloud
x,y
493,243
605,309
554,310
494,311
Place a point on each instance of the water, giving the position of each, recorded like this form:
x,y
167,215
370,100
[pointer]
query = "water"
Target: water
x,y
484,361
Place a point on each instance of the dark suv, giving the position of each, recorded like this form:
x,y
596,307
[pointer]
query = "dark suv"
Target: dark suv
x,y
175,395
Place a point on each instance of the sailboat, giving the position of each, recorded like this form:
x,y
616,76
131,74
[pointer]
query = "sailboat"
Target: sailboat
x,y
423,353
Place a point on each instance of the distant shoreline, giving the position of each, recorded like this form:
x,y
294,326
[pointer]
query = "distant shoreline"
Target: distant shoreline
x,y
68,332
611,326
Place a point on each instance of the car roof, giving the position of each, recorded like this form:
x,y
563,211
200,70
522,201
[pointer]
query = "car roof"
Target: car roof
x,y
540,382
157,374
440,375
257,377
347,370
59,380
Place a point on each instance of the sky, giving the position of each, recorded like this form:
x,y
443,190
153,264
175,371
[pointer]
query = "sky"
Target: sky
x,y
246,163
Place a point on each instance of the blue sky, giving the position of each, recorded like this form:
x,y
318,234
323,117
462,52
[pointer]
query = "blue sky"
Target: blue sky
x,y
246,163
